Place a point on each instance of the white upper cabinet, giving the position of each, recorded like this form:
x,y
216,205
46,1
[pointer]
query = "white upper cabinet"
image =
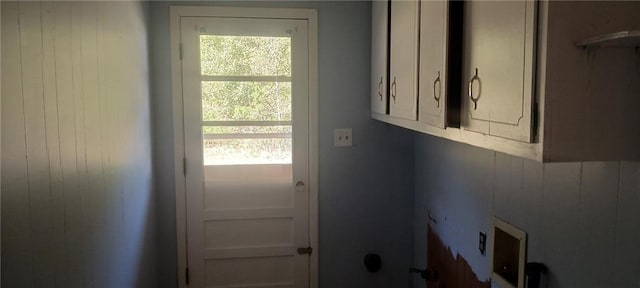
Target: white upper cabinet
x,y
498,68
433,63
379,56
403,59
546,80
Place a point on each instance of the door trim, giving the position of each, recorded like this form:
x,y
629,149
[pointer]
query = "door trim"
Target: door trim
x,y
175,13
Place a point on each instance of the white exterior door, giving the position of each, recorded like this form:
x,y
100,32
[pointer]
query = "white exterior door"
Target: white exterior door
x,y
246,129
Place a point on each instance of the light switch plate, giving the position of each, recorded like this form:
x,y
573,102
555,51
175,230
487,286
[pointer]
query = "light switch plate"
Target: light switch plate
x,y
342,137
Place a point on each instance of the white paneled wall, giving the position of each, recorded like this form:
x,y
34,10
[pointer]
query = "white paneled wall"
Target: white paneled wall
x,y
582,218
77,202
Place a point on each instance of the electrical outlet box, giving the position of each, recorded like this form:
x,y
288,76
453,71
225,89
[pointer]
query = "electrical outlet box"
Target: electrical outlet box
x,y
482,243
342,137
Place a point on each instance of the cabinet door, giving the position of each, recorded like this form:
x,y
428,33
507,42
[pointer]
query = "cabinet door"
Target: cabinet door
x,y
433,59
379,56
404,59
499,44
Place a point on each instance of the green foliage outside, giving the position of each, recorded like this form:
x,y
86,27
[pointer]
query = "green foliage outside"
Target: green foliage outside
x,y
249,101
246,100
245,55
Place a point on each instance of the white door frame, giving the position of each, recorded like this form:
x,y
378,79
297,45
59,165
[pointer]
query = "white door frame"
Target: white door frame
x,y
311,15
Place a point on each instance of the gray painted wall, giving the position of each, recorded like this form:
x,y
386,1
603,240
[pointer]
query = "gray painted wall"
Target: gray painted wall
x,y
78,207
365,192
582,219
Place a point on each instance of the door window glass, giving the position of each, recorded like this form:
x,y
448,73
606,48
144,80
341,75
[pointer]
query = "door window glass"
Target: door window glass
x,y
246,99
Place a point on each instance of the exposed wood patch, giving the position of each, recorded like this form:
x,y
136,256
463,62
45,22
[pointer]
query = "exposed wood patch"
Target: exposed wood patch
x,y
453,272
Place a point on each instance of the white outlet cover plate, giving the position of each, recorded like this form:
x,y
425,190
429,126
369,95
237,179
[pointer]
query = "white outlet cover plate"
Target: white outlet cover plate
x,y
342,137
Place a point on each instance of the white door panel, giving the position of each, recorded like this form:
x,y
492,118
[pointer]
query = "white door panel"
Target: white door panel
x,y
499,54
230,273
227,187
379,56
433,62
404,59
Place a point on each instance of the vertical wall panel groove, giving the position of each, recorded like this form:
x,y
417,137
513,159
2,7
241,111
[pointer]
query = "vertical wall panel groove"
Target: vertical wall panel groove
x,y
111,234
94,199
597,222
52,140
560,219
106,162
81,164
532,183
66,124
18,260
626,269
37,154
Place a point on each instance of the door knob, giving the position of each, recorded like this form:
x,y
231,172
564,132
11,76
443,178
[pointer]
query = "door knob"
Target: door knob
x,y
300,186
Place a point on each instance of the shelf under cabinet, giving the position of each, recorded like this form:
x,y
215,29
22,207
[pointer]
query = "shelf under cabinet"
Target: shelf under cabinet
x,y
620,39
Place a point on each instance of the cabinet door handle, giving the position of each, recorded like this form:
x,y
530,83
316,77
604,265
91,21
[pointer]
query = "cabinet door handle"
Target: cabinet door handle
x,y
393,89
475,99
380,88
436,96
